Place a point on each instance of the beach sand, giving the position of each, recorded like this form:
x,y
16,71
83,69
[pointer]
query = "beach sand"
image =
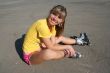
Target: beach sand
x,y
90,16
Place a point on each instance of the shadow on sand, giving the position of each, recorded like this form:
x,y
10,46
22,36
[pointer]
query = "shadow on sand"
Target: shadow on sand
x,y
18,46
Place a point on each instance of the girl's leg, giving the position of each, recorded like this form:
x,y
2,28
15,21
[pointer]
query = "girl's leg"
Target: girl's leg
x,y
45,55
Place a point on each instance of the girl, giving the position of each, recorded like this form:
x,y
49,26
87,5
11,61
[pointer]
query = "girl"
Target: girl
x,y
41,41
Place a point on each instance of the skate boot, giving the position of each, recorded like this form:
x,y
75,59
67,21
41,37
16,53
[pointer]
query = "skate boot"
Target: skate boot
x,y
82,39
76,56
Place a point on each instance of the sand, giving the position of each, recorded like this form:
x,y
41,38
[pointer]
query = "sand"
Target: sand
x,y
90,16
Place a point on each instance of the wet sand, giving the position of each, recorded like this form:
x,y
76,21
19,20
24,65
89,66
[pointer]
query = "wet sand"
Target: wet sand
x,y
90,16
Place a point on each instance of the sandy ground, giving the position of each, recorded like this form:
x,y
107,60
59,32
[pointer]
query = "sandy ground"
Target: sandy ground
x,y
90,16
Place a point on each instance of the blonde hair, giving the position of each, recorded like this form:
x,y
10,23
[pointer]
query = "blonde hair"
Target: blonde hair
x,y
60,10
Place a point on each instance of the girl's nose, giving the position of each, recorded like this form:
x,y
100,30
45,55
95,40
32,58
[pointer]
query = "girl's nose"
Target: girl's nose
x,y
55,18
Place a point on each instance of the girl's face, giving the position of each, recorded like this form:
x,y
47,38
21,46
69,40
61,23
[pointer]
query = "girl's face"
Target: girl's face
x,y
54,19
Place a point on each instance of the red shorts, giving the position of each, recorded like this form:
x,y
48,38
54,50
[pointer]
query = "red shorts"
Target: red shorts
x,y
26,58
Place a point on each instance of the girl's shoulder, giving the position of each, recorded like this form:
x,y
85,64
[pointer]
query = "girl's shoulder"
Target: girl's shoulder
x,y
42,20
41,23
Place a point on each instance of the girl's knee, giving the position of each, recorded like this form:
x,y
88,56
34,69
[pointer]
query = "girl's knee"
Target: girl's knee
x,y
49,54
45,55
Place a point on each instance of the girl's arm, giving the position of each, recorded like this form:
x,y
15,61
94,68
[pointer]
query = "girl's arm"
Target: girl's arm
x,y
50,43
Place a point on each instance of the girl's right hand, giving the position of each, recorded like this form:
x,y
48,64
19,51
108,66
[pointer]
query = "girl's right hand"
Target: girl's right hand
x,y
70,51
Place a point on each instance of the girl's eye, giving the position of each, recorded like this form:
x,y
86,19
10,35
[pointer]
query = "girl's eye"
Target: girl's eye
x,y
59,17
54,13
